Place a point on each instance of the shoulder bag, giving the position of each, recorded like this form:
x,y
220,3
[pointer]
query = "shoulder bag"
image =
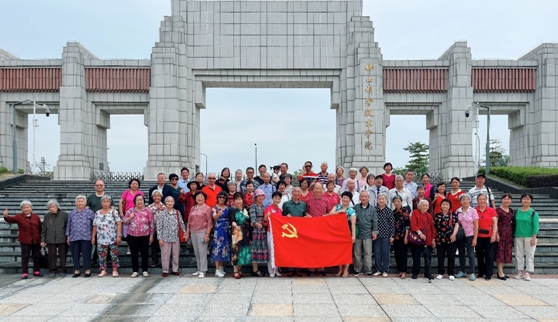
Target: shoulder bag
x,y
181,233
415,239
460,232
125,226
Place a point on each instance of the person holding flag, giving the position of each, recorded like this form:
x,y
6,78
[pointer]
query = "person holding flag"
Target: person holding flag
x,y
272,210
345,209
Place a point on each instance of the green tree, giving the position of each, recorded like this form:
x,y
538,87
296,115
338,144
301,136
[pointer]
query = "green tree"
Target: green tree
x,y
498,156
418,157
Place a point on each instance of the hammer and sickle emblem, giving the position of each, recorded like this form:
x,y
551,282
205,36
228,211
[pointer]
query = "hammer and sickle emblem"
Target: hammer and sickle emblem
x,y
291,231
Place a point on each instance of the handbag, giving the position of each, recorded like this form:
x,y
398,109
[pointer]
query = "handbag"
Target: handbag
x,y
43,258
181,233
415,239
125,226
460,232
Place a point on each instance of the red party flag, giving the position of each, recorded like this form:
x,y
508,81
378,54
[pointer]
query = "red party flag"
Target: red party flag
x,y
311,242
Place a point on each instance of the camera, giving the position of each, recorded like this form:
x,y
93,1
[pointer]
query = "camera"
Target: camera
x,y
47,112
467,113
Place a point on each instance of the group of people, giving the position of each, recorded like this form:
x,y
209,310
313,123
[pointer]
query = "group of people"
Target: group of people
x,y
230,217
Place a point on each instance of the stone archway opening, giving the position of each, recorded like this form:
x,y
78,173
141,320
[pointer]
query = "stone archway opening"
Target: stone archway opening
x,y
399,134
127,152
288,125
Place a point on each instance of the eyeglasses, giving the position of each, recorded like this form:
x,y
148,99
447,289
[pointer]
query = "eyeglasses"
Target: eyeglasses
x,y
174,179
221,197
99,185
307,166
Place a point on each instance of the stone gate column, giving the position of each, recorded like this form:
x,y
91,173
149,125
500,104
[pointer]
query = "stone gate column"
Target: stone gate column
x,y
452,149
76,117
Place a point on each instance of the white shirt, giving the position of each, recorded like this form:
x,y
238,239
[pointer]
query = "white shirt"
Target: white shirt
x,y
405,194
475,192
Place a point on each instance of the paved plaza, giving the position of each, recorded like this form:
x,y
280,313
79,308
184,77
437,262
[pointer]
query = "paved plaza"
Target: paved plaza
x,y
187,298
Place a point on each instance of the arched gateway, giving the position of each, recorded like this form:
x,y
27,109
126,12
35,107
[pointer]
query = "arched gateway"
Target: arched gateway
x,y
280,44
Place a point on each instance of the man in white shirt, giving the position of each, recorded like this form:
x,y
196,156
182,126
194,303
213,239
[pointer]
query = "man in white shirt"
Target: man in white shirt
x,y
481,188
399,190
376,189
185,173
352,175
409,184
351,187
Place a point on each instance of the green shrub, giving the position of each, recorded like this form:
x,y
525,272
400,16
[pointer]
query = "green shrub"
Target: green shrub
x,y
4,170
519,175
20,171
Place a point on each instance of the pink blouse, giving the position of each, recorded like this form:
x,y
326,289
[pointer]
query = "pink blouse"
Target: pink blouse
x,y
141,224
200,218
128,198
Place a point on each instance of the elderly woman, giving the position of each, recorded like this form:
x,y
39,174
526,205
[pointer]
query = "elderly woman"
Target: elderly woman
x,y
446,224
29,236
188,199
260,253
345,208
370,180
488,229
439,196
199,179
352,175
389,177
469,220
198,228
386,232
504,239
169,222
400,241
339,176
423,224
140,234
526,230
107,227
230,196
156,207
240,234
79,235
238,180
53,236
221,248
330,194
288,186
127,199
272,210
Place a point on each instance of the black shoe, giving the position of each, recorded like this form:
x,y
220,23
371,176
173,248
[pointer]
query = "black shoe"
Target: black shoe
x,y
323,273
487,278
76,275
415,277
369,274
52,275
309,273
506,276
258,274
87,275
480,275
503,278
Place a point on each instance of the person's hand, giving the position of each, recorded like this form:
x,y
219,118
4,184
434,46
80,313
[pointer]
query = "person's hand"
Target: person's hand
x,y
43,244
289,216
131,216
374,235
452,238
391,239
474,242
492,238
422,236
161,243
206,237
533,242
433,243
93,240
354,239
68,240
151,239
118,240
307,216
259,225
6,213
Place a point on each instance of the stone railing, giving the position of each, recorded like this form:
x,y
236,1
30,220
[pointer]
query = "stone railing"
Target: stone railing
x,y
117,176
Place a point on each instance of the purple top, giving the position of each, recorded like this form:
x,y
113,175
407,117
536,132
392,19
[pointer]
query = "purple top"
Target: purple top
x,y
80,224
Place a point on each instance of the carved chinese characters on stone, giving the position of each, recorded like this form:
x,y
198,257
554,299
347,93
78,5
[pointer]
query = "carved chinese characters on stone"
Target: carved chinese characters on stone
x,y
368,111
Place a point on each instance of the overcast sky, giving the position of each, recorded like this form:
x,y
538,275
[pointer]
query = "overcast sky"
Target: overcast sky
x,y
278,120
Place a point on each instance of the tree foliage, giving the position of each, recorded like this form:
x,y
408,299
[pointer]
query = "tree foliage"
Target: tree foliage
x,y
498,156
418,157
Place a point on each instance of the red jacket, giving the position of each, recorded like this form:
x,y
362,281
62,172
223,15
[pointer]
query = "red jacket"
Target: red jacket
x,y
29,228
417,223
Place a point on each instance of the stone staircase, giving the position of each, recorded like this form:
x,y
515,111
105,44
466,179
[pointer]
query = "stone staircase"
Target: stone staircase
x,y
40,192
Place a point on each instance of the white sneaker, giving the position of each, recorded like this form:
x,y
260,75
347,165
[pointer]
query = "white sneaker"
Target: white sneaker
x,y
519,275
201,275
218,273
277,273
223,271
134,274
378,273
439,277
451,278
385,274
145,274
271,274
196,273
527,277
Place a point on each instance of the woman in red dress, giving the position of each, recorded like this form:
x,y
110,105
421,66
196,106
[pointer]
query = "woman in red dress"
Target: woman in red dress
x,y
504,240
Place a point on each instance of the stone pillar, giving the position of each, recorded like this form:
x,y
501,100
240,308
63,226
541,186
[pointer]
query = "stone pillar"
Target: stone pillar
x,y
360,117
76,117
167,116
451,142
541,120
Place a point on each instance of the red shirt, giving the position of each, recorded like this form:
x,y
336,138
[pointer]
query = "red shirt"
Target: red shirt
x,y
485,221
389,181
273,211
29,228
317,207
333,200
437,203
211,200
310,175
417,223
454,198
248,199
187,199
307,197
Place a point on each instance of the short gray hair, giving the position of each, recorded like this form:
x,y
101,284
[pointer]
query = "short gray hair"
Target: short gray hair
x,y
465,195
106,197
238,170
353,169
81,197
382,195
26,203
423,201
156,191
399,177
167,197
53,202
231,183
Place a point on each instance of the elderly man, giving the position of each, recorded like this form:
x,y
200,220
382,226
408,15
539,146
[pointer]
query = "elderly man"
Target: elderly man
x,y
323,175
367,223
267,188
283,168
481,188
307,172
161,186
409,184
249,178
211,190
183,183
94,203
294,208
399,190
352,175
377,189
351,187
176,190
317,206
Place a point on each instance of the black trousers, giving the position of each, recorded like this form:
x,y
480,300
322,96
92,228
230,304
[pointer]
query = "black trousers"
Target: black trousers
x,y
81,247
26,249
400,250
461,246
139,245
485,256
62,251
446,250
426,252
155,248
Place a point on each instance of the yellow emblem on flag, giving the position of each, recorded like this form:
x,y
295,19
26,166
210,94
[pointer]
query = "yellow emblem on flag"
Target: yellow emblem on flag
x,y
292,233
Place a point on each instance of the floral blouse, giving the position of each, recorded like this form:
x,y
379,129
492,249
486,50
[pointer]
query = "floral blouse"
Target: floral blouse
x,y
142,223
444,228
402,223
156,209
167,226
80,224
107,227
